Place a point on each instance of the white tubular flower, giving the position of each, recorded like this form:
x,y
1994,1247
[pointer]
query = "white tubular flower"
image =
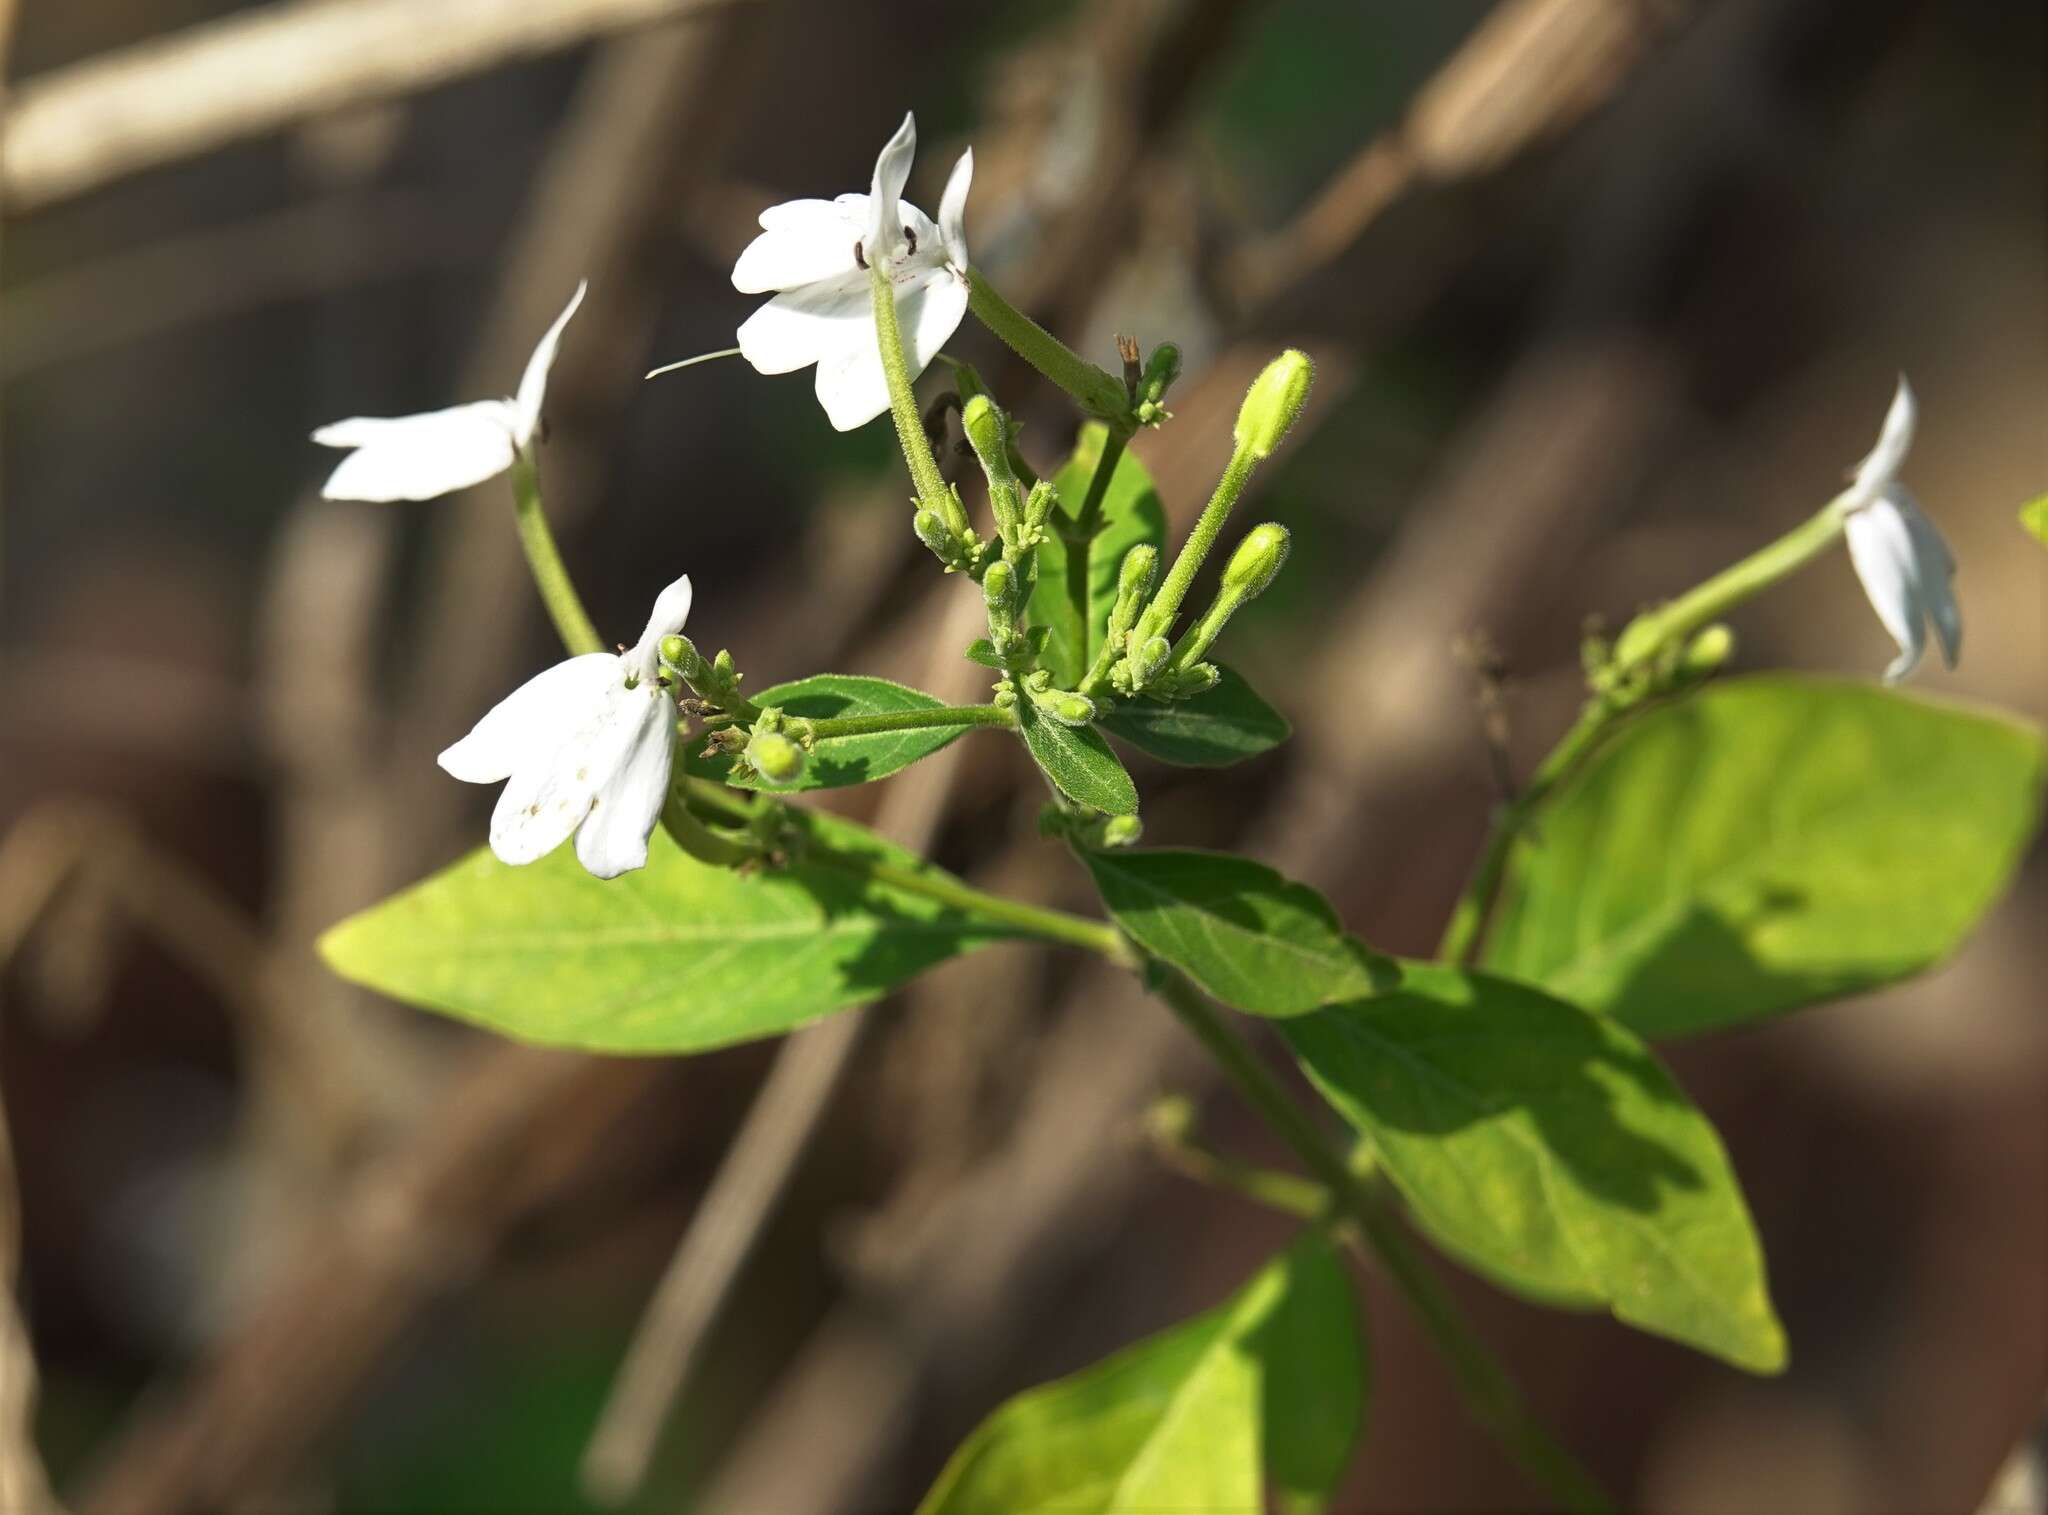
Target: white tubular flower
x,y
816,253
440,451
585,746
1905,566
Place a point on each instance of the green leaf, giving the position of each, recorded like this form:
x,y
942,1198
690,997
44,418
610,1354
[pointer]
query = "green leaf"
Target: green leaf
x,y
677,957
1248,936
981,650
2034,516
842,760
1765,844
1078,761
1272,1381
1131,513
1225,725
1547,1148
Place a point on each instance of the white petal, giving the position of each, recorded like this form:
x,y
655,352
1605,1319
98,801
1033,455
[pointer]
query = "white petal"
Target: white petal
x,y
548,797
928,312
1881,547
802,241
419,457
794,329
613,839
528,723
1876,472
892,172
1935,572
953,210
850,383
671,611
533,383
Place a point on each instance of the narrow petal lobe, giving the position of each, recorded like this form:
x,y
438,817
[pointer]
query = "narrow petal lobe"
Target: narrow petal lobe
x,y
420,457
533,383
530,720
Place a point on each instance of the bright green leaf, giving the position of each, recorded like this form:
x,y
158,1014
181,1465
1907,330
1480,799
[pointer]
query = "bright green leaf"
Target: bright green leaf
x,y
1247,935
842,760
2034,516
1226,725
1269,1383
1765,844
1548,1148
1078,761
1131,513
677,957
981,650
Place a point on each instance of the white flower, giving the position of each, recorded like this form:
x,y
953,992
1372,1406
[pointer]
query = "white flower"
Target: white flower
x,y
1905,566
817,252
585,746
440,451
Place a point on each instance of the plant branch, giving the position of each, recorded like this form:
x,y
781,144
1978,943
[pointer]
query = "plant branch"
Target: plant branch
x,y
932,492
1095,391
550,574
1080,537
1489,1392
908,720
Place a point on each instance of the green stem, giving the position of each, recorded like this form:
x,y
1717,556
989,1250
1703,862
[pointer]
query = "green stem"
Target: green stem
x,y
1096,392
1288,1193
1080,537
1033,920
932,492
1670,625
910,720
550,576
1489,1392
699,840
1159,615
1468,918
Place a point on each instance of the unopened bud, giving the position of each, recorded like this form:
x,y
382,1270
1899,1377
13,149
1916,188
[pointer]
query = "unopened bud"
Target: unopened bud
x,y
1256,562
674,650
778,760
1039,503
1139,571
933,533
1121,830
999,585
1067,708
1186,683
982,419
1161,369
1273,402
1707,651
1147,658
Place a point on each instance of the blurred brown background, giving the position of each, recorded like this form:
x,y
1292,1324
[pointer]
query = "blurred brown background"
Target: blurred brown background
x,y
1602,292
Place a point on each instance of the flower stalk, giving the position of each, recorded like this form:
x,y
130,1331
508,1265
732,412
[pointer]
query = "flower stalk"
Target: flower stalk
x,y
933,494
1100,394
544,560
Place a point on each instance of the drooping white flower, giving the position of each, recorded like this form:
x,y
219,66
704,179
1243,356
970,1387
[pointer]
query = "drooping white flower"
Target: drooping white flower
x,y
586,747
816,253
1906,568
440,451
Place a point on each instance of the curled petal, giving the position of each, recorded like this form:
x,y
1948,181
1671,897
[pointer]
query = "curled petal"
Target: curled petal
x,y
626,808
953,210
420,457
1882,549
533,383
531,719
892,172
801,242
1877,471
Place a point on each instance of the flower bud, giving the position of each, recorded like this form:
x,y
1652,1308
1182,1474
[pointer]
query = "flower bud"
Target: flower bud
x,y
1713,646
674,650
1121,830
1273,402
1147,658
1161,369
933,533
1140,569
999,585
1256,562
982,420
1067,708
778,760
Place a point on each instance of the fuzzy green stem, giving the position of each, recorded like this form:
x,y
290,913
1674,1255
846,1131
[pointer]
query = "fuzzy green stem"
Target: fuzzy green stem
x,y
1489,1393
1288,1193
1096,392
909,720
1056,926
1670,625
1468,918
932,492
550,576
1159,615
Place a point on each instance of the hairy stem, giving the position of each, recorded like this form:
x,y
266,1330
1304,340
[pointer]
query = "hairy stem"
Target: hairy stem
x,y
1159,615
1094,391
1489,1392
932,492
910,720
550,576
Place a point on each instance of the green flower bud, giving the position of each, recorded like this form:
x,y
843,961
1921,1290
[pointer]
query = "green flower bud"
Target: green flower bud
x,y
1067,708
1161,369
1147,658
1139,572
982,420
1273,402
778,760
1256,562
1039,503
999,585
933,533
1713,646
1121,830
